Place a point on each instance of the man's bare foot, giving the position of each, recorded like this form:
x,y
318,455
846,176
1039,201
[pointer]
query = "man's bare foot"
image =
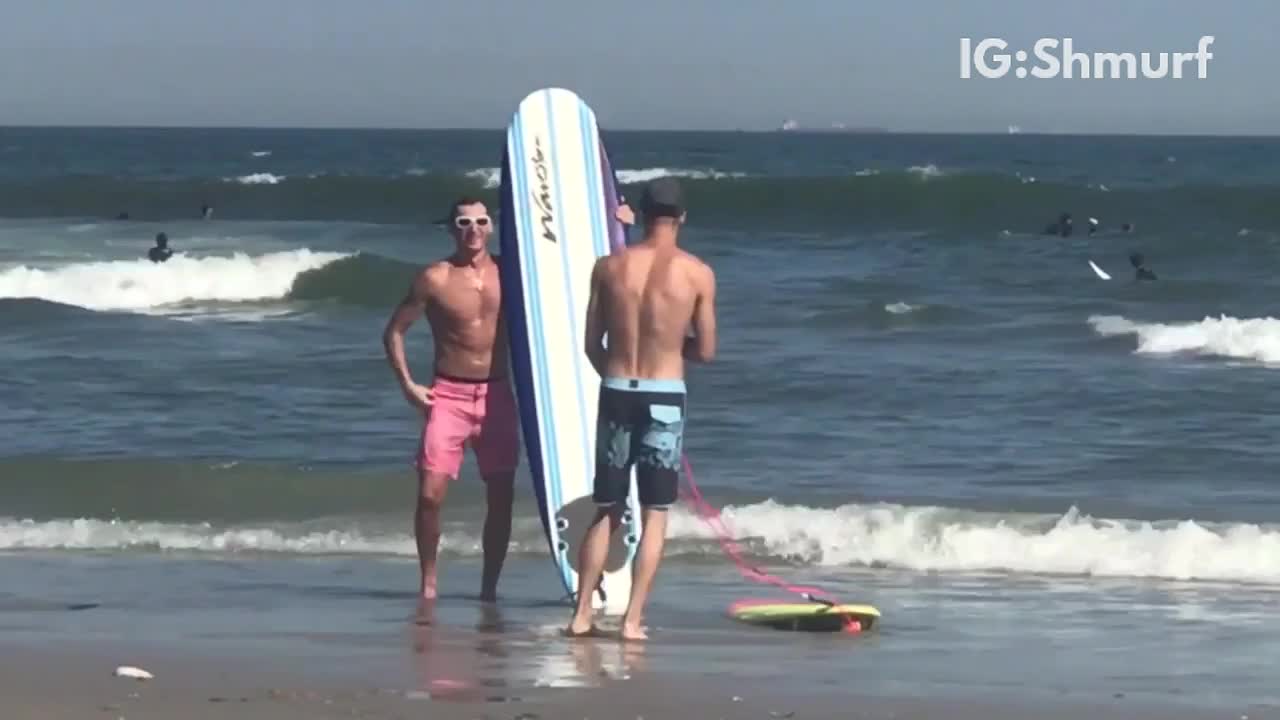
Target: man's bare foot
x,y
426,612
633,632
580,627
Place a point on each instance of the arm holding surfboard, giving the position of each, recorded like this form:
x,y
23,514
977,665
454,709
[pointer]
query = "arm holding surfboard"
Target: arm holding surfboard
x,y
625,214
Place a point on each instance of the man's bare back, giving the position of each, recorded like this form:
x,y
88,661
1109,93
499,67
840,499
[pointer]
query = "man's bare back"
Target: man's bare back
x,y
649,295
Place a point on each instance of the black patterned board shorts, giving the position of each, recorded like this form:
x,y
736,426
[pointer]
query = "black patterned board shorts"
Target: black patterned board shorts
x,y
640,422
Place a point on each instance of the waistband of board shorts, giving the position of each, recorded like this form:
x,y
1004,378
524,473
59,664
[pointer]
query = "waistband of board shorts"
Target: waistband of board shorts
x,y
626,384
469,381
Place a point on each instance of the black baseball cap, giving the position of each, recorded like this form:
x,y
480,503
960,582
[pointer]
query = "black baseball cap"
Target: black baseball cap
x,y
663,197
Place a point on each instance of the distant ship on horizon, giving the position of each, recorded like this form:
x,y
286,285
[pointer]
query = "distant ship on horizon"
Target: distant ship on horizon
x,y
793,126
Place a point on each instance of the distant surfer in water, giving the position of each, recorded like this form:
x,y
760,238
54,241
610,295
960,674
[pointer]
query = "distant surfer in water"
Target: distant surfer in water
x,y
643,299
161,251
469,401
1062,227
1140,271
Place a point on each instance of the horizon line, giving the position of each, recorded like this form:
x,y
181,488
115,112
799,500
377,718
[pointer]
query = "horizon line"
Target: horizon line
x,y
816,130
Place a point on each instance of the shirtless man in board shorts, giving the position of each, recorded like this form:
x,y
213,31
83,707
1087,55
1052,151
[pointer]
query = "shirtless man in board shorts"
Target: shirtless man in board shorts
x,y
644,299
469,401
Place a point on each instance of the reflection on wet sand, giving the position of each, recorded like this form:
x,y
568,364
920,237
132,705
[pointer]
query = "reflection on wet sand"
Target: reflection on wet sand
x,y
589,656
492,661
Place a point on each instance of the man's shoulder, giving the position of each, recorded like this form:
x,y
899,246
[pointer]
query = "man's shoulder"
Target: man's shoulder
x,y
605,263
695,262
436,269
430,277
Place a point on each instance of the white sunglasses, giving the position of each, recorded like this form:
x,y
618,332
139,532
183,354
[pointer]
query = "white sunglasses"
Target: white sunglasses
x,y
465,221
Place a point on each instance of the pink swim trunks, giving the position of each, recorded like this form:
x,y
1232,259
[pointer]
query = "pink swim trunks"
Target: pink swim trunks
x,y
481,413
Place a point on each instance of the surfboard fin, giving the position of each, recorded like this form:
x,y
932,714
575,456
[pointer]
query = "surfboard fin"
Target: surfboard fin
x,y
821,601
572,596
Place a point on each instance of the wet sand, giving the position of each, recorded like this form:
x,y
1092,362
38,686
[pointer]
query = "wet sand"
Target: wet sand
x,y
283,638
44,684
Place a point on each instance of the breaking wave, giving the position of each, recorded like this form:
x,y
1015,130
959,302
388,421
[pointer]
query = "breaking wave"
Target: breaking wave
x,y
1254,339
139,285
927,539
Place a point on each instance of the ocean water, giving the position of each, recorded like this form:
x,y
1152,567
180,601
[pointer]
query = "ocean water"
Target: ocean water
x,y
1047,482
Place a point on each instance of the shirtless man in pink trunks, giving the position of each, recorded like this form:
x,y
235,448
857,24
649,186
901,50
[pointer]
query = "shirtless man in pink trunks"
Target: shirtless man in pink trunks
x,y
469,401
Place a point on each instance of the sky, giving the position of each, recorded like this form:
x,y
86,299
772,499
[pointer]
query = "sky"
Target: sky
x,y
655,64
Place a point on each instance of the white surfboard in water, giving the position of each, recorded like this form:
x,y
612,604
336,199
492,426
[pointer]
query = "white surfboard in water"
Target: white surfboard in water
x,y
1099,271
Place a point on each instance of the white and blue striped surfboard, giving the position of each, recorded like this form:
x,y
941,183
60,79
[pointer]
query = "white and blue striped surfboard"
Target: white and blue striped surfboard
x,y
559,196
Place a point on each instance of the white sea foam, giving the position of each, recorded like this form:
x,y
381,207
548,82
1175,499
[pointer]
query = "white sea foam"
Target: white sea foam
x,y
1256,339
88,534
261,178
929,539
943,539
631,177
492,177
144,285
925,171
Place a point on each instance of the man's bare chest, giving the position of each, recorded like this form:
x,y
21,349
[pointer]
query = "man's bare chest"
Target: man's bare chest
x,y
469,298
